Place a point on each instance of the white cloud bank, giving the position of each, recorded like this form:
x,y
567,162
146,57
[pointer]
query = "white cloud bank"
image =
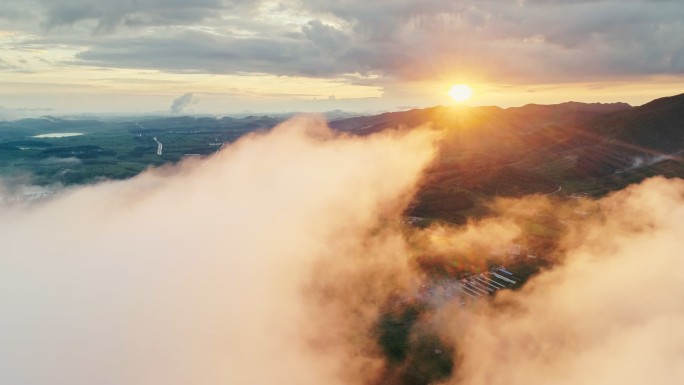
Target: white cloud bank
x,y
269,263
611,314
195,274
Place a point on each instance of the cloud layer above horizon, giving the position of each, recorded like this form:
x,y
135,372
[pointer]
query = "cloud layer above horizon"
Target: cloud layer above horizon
x,y
550,40
385,44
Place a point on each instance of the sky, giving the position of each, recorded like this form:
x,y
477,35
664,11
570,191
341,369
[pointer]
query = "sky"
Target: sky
x,y
235,56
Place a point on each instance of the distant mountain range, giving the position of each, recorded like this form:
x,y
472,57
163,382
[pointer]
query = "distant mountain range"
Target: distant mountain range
x,y
564,148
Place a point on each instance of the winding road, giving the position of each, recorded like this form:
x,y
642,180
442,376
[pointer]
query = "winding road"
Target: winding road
x,y
159,146
555,192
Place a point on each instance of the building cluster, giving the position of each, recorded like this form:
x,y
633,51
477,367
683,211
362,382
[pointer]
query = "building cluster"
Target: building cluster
x,y
487,282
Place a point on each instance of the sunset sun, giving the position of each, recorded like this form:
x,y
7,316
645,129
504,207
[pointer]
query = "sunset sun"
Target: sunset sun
x,y
460,92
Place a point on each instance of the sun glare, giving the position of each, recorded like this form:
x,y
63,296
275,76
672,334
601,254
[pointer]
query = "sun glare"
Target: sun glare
x,y
460,92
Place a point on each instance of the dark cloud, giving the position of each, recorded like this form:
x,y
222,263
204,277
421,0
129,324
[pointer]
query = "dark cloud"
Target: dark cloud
x,y
197,51
11,11
325,36
523,41
532,40
110,15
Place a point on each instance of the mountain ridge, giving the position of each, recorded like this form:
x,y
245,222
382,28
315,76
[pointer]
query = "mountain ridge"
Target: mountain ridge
x,y
591,148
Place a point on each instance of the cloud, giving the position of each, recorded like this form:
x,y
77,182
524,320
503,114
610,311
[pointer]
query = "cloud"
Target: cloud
x,y
539,41
18,188
110,15
206,52
284,251
180,103
202,272
325,36
12,11
4,65
608,314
